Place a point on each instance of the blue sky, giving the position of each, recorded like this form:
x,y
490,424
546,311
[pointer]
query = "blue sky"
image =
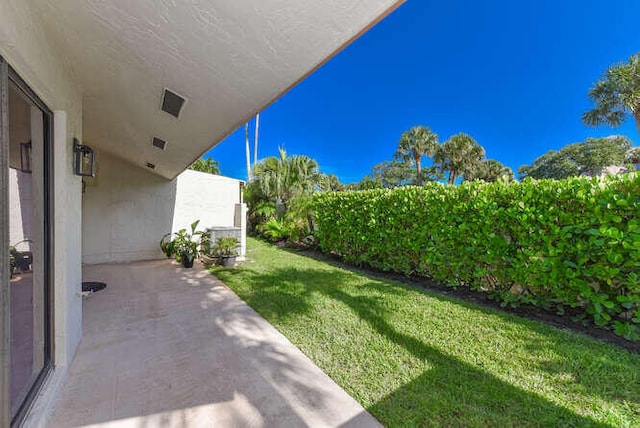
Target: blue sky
x,y
514,75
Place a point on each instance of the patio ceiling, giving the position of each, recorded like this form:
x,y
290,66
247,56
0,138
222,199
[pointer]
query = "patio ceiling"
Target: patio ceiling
x,y
228,58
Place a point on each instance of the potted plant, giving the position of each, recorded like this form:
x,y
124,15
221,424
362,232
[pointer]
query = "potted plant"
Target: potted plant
x,y
227,249
186,249
207,257
167,245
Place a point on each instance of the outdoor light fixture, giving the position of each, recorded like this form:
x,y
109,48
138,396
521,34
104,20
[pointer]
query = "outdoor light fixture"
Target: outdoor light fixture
x,y
84,159
25,157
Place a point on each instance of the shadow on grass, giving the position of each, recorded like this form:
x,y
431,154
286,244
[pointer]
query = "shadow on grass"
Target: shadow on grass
x,y
452,392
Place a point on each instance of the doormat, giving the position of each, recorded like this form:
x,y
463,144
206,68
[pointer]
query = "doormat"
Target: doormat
x,y
92,287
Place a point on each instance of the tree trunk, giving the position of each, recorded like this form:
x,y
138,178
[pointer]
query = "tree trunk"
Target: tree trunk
x,y
419,168
255,141
248,153
453,174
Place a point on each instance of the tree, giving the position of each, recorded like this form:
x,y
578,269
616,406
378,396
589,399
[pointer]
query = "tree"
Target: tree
x,y
393,173
367,183
417,142
330,183
589,157
489,170
284,177
459,154
279,196
206,165
431,173
633,155
616,95
595,154
552,164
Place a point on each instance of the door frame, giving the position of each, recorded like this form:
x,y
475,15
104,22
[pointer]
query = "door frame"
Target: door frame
x,y
9,75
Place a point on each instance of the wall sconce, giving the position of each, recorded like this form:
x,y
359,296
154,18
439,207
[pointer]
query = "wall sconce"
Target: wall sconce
x,y
25,157
84,159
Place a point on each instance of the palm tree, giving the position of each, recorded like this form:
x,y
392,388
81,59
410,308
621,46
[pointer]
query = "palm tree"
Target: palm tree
x,y
283,177
417,142
330,183
616,95
206,165
489,170
457,155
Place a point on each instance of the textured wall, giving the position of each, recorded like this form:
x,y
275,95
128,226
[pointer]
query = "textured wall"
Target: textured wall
x,y
30,51
126,209
26,46
205,197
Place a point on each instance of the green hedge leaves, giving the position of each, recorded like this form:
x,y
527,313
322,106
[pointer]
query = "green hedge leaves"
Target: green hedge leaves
x,y
555,244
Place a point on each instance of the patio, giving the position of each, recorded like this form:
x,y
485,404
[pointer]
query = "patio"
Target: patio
x,y
165,346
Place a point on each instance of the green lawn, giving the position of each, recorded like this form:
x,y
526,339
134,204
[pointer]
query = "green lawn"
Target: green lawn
x,y
413,358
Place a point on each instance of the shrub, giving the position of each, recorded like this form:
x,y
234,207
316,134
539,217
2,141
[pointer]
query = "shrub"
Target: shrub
x,y
556,244
274,230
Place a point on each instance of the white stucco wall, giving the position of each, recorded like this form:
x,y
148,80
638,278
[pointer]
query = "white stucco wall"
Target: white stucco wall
x,y
205,197
127,209
29,50
125,212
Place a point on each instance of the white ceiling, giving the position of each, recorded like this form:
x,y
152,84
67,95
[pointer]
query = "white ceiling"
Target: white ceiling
x,y
229,58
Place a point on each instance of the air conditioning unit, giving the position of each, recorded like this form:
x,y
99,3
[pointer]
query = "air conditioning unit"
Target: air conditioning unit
x,y
223,232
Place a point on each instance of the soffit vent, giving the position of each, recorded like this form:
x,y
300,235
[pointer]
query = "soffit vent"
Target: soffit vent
x,y
150,165
159,143
172,103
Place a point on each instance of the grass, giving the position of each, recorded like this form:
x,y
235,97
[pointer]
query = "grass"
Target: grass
x,y
413,358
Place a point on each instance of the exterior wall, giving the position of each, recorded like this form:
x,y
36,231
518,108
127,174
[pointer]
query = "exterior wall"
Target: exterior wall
x,y
205,197
127,209
125,212
26,47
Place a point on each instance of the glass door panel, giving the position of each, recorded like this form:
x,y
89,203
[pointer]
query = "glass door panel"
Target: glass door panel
x,y
27,240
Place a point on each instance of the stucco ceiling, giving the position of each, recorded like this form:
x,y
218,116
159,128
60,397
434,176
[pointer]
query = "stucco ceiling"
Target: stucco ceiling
x,y
229,58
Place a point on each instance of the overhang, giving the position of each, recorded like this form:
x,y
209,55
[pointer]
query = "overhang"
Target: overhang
x,y
228,58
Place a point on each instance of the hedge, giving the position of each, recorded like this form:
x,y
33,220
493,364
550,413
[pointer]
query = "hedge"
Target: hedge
x,y
555,244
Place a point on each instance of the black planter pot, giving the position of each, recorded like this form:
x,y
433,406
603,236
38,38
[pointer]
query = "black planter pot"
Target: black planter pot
x,y
186,262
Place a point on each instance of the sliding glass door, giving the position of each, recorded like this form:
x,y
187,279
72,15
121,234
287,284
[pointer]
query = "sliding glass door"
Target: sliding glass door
x,y
27,294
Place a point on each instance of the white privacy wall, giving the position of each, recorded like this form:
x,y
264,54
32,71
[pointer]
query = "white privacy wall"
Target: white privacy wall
x,y
127,209
205,197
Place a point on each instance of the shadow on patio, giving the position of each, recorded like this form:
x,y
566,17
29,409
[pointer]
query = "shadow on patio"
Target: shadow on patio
x,y
168,347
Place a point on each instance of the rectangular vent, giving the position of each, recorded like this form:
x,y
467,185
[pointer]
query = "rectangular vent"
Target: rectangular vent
x,y
157,142
172,103
150,165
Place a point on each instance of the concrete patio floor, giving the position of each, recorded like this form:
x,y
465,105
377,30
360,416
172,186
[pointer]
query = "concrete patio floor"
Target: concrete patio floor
x,y
165,346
